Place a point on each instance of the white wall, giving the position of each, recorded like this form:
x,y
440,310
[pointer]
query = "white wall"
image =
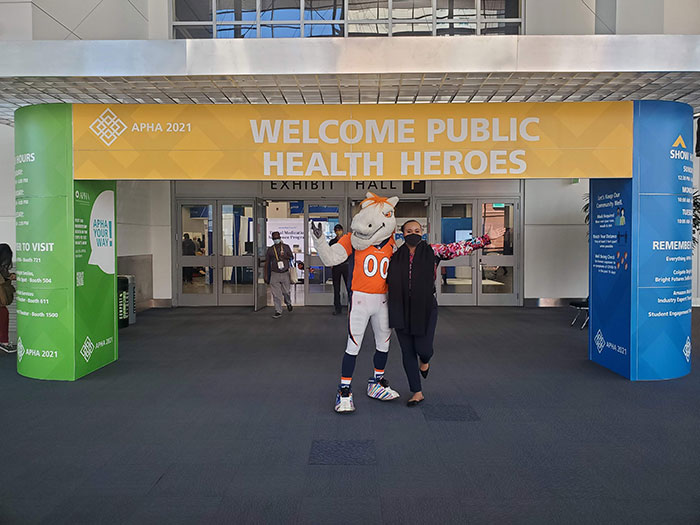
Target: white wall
x,y
7,185
159,19
15,20
677,17
635,17
84,19
90,19
556,247
624,17
143,228
682,17
559,17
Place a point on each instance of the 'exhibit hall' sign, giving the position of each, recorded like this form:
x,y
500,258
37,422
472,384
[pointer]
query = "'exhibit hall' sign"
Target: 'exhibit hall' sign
x,y
353,142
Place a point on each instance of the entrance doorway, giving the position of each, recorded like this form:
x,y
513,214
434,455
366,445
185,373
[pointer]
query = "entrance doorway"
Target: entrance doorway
x,y
487,277
293,220
222,261
287,218
217,256
318,285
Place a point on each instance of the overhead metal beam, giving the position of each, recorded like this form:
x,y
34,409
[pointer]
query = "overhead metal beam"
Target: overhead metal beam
x,y
342,56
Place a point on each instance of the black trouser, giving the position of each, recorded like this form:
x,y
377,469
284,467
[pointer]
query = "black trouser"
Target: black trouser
x,y
417,346
337,272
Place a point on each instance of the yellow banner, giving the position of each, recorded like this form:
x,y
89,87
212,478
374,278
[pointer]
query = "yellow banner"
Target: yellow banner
x,y
353,142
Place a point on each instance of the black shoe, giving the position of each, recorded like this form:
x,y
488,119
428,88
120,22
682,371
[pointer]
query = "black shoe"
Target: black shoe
x,y
289,307
424,373
414,402
277,315
8,347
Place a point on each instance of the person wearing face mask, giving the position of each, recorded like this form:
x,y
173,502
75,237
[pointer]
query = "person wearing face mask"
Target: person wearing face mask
x,y
412,304
338,271
277,275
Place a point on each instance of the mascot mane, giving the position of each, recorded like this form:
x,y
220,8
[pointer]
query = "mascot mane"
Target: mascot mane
x,y
375,222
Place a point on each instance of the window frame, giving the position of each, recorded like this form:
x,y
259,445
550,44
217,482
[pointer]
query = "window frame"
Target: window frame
x,y
479,20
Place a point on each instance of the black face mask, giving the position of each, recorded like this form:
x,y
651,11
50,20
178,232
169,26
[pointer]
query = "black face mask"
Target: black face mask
x,y
412,240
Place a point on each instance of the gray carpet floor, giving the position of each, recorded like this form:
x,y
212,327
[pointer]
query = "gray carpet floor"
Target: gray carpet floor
x,y
225,416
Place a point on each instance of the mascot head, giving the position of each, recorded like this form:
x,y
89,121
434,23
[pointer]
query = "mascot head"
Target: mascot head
x,y
375,222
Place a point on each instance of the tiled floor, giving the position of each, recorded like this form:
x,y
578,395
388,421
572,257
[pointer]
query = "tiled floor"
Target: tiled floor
x,y
225,416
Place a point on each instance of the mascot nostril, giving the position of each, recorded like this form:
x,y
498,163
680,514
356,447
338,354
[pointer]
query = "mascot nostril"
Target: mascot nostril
x,y
369,252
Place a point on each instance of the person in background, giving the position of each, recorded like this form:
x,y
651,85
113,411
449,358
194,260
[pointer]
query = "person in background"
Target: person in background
x,y
412,304
338,271
188,248
7,292
277,276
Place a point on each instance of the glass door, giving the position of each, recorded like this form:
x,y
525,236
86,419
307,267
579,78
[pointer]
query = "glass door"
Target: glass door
x,y
196,262
235,253
318,280
260,249
456,278
498,278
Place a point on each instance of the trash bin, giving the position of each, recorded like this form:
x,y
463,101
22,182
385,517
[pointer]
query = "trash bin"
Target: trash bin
x,y
122,301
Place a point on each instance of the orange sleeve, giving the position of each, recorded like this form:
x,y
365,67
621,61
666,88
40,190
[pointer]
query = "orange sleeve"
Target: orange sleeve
x,y
346,243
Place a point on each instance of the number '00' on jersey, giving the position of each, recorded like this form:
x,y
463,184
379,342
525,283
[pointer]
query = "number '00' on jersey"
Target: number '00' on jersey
x,y
370,266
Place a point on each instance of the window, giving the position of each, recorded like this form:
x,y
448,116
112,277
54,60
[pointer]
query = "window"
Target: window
x,y
280,10
335,18
235,11
328,10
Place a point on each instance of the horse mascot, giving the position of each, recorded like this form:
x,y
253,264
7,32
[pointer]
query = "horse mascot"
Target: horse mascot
x,y
368,250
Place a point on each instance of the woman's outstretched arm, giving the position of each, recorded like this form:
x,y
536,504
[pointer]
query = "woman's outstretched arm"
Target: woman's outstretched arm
x,y
460,248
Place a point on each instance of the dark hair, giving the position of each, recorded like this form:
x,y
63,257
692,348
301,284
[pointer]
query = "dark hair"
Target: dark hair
x,y
338,227
187,236
409,221
275,233
5,255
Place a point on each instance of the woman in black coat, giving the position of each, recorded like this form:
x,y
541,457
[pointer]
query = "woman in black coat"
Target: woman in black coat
x,y
412,302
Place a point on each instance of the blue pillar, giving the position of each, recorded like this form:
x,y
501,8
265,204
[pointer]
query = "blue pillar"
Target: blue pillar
x,y
641,251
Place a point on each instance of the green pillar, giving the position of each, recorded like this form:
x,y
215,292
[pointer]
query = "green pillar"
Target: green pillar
x,y
66,253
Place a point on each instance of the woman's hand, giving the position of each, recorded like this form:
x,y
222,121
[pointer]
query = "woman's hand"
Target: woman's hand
x,y
495,233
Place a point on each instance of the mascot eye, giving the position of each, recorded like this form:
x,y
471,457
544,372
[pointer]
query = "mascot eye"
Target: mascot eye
x,y
389,214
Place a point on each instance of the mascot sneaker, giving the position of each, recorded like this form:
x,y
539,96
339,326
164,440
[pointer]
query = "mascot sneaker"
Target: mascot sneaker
x,y
379,389
343,400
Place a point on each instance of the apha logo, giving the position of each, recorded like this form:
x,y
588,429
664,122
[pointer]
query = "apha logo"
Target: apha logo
x,y
20,350
686,350
108,127
599,341
87,349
